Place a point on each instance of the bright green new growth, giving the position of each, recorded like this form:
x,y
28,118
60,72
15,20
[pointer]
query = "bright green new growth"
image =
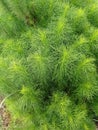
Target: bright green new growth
x,y
49,63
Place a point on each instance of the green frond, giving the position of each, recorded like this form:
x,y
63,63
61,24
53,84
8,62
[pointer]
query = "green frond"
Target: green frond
x,y
37,65
87,90
82,45
61,66
78,20
81,3
86,66
92,13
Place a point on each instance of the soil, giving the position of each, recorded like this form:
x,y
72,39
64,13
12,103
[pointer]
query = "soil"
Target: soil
x,y
4,117
97,126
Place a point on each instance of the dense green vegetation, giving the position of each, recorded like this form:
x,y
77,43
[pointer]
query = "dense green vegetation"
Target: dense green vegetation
x,y
49,63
